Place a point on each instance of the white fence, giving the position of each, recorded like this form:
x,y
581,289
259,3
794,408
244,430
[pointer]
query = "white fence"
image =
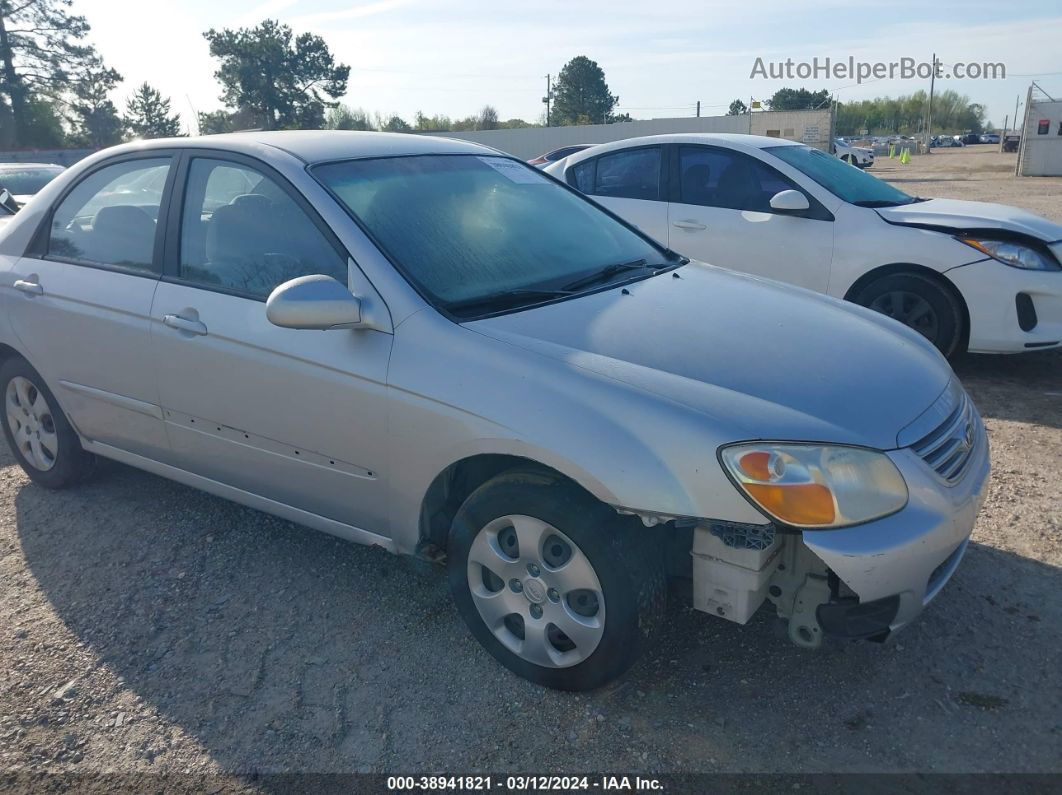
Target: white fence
x,y
62,157
814,127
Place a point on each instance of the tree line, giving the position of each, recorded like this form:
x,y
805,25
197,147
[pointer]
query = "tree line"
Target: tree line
x,y
952,112
55,89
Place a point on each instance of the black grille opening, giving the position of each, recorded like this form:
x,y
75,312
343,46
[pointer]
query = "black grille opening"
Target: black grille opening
x,y
1027,319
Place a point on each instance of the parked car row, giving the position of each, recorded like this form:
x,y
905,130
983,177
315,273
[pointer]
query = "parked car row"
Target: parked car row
x,y
424,345
966,139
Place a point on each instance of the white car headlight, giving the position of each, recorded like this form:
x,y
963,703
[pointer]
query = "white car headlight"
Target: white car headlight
x,y
1014,254
816,486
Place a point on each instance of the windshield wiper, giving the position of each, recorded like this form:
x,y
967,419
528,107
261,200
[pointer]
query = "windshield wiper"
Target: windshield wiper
x,y
879,203
506,298
607,272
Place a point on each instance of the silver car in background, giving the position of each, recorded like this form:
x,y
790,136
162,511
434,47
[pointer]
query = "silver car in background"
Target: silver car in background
x,y
426,346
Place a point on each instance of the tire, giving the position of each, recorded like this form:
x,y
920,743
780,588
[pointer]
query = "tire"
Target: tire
x,y
598,577
38,433
849,160
920,303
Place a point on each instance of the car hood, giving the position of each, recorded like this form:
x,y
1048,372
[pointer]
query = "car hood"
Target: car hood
x,y
763,359
955,214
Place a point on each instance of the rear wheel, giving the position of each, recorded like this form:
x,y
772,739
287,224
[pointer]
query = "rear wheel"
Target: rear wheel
x,y
556,586
920,303
37,431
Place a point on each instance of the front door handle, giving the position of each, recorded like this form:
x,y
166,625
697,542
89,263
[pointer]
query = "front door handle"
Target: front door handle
x,y
184,324
690,224
28,287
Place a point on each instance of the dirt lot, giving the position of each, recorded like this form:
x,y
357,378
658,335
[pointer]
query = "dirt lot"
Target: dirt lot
x,y
145,626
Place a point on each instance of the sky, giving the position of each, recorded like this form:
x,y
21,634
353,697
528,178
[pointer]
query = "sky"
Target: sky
x,y
452,57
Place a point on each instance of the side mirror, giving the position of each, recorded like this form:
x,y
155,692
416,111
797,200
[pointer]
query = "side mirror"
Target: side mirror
x,y
789,201
8,201
313,302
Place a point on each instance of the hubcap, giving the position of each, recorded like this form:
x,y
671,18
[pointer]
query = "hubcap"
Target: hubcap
x,y
31,423
536,591
910,309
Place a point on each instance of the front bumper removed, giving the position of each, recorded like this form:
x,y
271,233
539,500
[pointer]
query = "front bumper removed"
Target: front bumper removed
x,y
858,582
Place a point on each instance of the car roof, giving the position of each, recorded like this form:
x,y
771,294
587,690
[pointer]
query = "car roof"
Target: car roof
x,y
317,146
14,166
732,140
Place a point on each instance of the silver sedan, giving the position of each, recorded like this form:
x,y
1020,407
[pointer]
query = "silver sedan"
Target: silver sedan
x,y
424,345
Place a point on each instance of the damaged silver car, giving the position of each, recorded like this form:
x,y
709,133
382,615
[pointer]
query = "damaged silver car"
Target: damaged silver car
x,y
425,345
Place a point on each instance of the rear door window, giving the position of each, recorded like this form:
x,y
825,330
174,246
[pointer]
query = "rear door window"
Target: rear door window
x,y
630,174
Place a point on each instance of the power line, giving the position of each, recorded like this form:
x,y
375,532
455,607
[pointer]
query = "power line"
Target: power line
x,y
665,107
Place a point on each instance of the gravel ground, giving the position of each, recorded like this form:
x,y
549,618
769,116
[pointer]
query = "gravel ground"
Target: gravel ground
x,y
147,627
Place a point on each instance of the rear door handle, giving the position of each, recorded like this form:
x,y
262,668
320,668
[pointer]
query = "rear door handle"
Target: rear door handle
x,y
184,324
28,287
689,224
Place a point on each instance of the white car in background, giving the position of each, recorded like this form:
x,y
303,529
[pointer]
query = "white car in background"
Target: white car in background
x,y
966,275
860,156
23,180
555,155
8,207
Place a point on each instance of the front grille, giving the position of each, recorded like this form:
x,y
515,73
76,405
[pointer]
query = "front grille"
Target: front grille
x,y
949,447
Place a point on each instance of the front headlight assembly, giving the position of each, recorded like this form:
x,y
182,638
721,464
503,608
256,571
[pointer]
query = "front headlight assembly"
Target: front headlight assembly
x,y
1017,255
816,486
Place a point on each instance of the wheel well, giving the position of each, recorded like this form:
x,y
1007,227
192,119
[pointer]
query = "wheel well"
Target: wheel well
x,y
910,267
7,352
451,488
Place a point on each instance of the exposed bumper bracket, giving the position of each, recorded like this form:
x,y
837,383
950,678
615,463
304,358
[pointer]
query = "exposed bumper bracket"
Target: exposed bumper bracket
x,y
851,619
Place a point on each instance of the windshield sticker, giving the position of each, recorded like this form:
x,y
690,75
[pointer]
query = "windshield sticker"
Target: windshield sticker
x,y
516,172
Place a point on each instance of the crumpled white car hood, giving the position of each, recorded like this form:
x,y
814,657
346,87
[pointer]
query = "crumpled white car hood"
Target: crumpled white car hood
x,y
957,214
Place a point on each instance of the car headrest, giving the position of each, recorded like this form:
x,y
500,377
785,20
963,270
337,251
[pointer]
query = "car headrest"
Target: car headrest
x,y
125,220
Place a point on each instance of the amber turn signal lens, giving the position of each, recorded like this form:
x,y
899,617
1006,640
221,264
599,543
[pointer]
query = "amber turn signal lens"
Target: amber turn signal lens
x,y
799,504
756,465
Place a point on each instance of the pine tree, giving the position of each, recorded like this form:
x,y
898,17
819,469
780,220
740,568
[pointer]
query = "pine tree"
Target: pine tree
x,y
148,114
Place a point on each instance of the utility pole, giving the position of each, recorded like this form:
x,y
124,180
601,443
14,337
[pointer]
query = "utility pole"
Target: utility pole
x,y
548,97
1024,132
929,113
698,108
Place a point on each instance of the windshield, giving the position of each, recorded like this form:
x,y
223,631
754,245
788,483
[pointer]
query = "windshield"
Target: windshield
x,y
842,180
27,181
465,229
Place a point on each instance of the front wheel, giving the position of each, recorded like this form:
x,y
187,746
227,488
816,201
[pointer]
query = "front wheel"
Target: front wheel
x,y
556,586
920,303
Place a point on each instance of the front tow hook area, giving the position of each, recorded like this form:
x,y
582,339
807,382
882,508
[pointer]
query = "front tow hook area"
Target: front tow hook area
x,y
851,619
